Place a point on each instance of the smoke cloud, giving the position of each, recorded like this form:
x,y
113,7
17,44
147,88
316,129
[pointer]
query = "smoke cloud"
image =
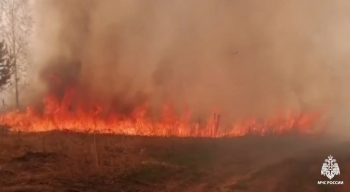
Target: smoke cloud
x,y
245,58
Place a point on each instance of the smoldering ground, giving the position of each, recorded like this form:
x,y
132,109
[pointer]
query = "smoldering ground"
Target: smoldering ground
x,y
245,58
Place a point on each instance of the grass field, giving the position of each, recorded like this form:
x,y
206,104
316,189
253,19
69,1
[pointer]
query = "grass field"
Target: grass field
x,y
71,162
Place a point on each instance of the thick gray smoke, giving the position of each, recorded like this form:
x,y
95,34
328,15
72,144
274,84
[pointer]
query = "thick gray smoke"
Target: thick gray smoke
x,y
243,57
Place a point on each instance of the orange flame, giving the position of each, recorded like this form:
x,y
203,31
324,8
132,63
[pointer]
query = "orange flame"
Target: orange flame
x,y
57,116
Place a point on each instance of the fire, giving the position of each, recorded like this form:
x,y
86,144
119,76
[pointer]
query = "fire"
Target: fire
x,y
57,115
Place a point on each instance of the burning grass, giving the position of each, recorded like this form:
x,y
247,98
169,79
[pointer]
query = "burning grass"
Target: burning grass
x,y
75,115
143,126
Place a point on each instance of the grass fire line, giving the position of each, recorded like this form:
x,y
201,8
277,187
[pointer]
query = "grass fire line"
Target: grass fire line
x,y
59,115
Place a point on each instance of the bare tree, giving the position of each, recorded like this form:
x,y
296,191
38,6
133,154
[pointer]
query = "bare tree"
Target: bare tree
x,y
16,27
6,66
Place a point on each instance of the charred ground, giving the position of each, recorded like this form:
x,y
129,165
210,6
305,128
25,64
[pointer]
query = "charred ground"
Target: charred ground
x,y
65,161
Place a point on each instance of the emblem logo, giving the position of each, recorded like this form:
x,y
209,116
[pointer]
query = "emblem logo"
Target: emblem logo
x,y
330,168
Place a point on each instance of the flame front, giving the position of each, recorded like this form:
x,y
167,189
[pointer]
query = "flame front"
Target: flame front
x,y
58,116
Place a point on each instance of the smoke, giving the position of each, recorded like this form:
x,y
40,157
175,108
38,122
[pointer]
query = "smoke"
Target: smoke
x,y
245,58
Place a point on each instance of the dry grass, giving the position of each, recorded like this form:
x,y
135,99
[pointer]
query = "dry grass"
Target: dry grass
x,y
72,162
59,161
68,162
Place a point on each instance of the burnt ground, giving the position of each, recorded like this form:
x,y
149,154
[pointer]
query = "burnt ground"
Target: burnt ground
x,y
70,162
